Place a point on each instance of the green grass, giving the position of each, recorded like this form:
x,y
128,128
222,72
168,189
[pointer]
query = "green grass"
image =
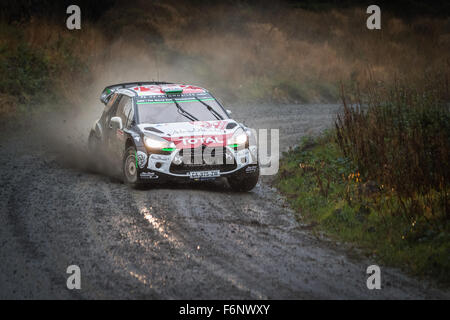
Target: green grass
x,y
327,190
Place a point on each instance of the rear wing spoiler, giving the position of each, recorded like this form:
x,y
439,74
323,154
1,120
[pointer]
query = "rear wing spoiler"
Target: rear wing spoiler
x,y
109,90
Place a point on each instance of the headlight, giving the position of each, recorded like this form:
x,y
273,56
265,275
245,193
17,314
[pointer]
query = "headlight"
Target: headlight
x,y
153,142
238,139
241,138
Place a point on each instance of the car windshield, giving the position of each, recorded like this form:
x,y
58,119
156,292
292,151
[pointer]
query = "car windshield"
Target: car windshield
x,y
167,111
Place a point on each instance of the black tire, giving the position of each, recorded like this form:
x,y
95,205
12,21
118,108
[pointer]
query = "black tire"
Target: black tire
x,y
130,170
244,182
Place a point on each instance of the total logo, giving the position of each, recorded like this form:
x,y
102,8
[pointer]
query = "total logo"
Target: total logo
x,y
202,140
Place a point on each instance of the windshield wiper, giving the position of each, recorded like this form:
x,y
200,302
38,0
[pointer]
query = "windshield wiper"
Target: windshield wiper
x,y
211,109
184,112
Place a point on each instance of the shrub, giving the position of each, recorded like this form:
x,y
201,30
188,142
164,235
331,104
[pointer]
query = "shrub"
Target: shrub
x,y
399,136
25,73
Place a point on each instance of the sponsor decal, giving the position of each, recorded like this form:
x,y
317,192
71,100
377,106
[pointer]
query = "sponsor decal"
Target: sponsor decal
x,y
148,175
192,128
159,157
251,169
141,159
221,124
188,95
156,89
203,140
197,141
195,130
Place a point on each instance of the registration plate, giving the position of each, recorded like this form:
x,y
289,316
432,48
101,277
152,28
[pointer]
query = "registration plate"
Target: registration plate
x,y
204,174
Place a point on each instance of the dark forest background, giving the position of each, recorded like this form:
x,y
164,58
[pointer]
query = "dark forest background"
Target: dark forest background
x,y
24,9
287,51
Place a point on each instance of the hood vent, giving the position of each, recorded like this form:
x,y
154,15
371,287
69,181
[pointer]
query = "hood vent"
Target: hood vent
x,y
153,129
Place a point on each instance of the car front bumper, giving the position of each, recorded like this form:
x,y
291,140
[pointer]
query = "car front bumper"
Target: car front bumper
x,y
157,167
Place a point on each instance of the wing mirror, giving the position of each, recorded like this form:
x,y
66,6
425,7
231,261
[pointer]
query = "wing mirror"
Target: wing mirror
x,y
229,112
116,123
104,98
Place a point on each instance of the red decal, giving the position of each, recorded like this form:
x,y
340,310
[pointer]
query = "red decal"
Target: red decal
x,y
189,142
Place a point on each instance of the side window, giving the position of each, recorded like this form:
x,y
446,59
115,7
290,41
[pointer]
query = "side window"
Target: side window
x,y
130,114
112,108
111,102
124,109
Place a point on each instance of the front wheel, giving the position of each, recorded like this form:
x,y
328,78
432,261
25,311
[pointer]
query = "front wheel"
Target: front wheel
x,y
130,169
244,181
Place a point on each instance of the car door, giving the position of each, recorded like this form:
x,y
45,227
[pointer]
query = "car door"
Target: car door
x,y
117,136
108,112
109,131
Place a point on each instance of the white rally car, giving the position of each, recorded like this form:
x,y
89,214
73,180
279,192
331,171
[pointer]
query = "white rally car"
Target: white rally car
x,y
158,131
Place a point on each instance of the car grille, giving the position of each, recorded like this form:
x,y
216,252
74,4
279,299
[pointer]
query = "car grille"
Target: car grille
x,y
201,164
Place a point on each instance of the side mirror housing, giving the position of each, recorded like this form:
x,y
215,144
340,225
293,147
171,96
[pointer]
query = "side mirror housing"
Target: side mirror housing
x,y
229,112
116,123
104,98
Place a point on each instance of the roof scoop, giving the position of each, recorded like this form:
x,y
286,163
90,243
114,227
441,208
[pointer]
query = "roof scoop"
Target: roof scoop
x,y
171,89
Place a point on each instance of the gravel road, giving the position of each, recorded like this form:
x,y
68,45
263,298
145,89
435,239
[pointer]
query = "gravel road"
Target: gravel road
x,y
198,241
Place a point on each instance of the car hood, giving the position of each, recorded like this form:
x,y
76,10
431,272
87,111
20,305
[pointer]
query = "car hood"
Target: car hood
x,y
194,133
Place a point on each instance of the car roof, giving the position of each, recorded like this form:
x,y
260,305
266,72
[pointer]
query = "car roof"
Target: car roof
x,y
143,90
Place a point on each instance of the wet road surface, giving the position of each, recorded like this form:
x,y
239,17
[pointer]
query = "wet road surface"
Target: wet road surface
x,y
199,241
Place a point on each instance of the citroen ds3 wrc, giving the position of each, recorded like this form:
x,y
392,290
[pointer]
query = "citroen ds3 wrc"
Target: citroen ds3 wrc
x,y
159,131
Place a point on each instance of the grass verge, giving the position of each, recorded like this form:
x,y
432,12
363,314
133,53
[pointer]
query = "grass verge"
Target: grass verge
x,y
327,190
